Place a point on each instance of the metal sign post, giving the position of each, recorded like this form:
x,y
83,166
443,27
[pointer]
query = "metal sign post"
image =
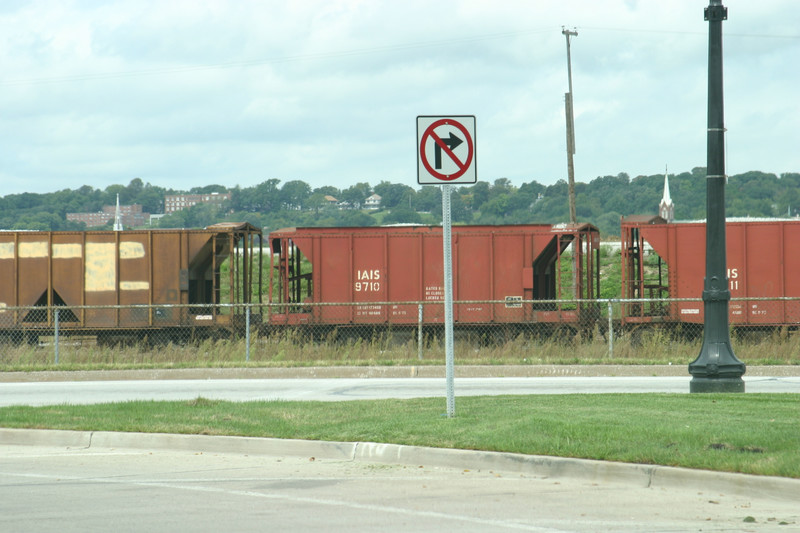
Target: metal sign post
x,y
446,155
448,301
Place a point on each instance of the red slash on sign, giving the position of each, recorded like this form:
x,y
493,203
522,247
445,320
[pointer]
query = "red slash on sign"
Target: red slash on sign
x,y
452,136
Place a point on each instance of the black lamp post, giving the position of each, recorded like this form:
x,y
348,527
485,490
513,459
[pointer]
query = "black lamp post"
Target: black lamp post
x,y
716,369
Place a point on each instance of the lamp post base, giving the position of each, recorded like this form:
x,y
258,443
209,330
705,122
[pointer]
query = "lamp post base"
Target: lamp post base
x,y
716,385
716,369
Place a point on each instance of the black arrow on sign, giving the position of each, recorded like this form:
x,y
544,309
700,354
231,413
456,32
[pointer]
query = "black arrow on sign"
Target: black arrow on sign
x,y
451,143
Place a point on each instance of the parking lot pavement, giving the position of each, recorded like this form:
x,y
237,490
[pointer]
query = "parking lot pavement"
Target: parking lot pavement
x,y
75,481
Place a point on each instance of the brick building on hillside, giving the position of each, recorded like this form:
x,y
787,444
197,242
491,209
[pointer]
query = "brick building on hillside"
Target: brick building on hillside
x,y
131,215
177,202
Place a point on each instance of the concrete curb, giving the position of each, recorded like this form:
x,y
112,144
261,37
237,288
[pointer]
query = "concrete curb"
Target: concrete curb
x,y
635,475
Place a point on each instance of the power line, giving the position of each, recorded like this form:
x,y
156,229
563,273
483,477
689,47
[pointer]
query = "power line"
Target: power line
x,y
340,54
700,33
267,61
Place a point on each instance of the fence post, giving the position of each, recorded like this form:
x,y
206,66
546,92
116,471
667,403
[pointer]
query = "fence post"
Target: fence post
x,y
247,333
55,332
419,334
610,330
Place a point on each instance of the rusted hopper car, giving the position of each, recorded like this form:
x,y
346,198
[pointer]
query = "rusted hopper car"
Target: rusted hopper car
x,y
763,262
362,267
179,270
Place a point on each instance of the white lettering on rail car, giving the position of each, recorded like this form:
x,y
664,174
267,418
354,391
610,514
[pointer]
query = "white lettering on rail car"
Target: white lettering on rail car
x,y
368,286
368,274
368,310
733,275
690,311
434,292
368,280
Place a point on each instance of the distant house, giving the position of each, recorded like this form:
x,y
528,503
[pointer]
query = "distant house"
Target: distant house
x,y
330,200
373,202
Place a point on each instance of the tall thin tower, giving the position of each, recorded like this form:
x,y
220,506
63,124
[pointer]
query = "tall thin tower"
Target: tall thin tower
x,y
570,131
117,217
666,209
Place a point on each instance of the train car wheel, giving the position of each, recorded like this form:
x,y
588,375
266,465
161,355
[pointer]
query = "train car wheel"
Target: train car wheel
x,y
643,334
565,334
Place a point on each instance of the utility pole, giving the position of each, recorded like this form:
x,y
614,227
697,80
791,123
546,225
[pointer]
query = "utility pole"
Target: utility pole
x,y
716,369
570,131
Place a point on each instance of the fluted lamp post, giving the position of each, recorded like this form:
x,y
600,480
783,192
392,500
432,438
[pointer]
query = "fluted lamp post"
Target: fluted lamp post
x,y
716,369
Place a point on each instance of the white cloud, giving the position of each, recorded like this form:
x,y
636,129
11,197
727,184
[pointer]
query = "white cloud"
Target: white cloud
x,y
182,93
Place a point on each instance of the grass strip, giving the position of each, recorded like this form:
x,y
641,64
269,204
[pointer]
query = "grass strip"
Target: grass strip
x,y
747,433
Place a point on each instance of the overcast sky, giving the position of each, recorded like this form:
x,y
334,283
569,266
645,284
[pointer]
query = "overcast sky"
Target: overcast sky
x,y
195,92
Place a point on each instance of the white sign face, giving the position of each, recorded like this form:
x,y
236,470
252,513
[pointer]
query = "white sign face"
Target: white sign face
x,y
446,150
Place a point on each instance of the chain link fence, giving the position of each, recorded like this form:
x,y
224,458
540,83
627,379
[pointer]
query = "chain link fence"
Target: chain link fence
x,y
486,332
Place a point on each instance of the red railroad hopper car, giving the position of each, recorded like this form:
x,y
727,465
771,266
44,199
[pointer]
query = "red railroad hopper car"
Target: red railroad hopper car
x,y
76,270
763,262
376,268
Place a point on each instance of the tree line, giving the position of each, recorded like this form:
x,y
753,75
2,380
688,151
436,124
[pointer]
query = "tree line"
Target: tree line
x,y
273,204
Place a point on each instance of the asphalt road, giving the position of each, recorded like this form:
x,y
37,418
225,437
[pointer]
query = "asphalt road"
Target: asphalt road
x,y
340,389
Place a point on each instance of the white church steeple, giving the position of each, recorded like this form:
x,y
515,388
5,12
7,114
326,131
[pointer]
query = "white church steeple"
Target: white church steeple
x,y
666,209
117,217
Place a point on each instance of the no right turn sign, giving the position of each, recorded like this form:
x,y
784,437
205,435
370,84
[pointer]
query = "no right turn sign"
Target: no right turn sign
x,y
446,150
